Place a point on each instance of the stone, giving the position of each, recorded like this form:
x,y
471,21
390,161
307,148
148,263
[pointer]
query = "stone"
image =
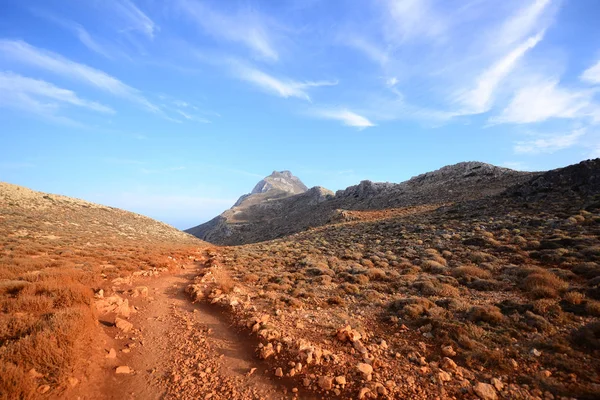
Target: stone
x,y
362,393
279,372
536,352
497,384
443,376
43,389
123,325
326,382
448,364
34,374
448,351
111,354
73,381
340,380
123,369
485,391
366,370
267,351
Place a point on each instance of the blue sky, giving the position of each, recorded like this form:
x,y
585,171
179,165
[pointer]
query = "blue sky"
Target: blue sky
x,y
173,109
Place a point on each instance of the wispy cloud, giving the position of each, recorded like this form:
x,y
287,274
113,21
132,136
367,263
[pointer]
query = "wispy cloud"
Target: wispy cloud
x,y
549,143
546,99
410,19
345,116
480,99
247,27
592,74
516,165
280,87
525,20
133,18
42,98
77,29
55,63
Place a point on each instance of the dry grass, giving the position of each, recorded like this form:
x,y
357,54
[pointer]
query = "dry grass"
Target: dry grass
x,y
53,252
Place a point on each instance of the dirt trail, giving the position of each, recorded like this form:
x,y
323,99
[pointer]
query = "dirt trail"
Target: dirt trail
x,y
178,349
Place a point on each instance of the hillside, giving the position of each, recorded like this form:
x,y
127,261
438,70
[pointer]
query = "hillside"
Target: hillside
x,y
264,219
488,298
55,251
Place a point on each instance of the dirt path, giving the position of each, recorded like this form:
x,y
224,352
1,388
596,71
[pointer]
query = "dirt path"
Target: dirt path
x,y
178,350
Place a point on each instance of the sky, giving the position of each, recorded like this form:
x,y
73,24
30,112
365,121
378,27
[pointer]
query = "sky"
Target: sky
x,y
173,109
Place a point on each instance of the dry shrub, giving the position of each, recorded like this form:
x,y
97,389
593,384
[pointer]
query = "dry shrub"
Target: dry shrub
x,y
433,266
413,307
480,256
592,308
436,288
544,284
469,272
376,274
574,298
14,383
223,279
251,278
486,313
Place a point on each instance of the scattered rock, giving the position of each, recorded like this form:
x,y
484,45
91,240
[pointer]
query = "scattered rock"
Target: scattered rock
x,y
365,370
43,389
326,382
123,369
123,325
485,391
112,353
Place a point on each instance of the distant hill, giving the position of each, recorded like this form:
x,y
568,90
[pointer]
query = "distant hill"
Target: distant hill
x,y
275,212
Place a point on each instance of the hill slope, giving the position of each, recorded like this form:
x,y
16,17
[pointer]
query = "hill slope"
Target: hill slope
x,y
53,251
279,216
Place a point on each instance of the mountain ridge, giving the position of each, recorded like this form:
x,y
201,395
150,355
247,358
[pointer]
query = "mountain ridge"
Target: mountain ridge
x,y
265,219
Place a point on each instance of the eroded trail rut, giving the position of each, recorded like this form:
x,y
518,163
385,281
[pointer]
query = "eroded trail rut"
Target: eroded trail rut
x,y
178,349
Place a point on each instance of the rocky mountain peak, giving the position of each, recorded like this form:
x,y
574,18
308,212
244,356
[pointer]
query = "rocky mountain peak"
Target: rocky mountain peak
x,y
280,180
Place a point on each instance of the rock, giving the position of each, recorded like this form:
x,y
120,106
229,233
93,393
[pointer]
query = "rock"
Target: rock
x,y
34,374
141,291
279,372
340,380
73,381
448,351
43,389
536,352
366,370
448,364
443,376
362,393
497,384
267,351
326,382
111,354
348,334
485,391
123,369
123,325
360,347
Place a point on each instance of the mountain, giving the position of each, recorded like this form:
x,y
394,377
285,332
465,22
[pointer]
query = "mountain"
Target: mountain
x,y
275,213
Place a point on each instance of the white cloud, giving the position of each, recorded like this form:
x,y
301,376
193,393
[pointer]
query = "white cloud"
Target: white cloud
x,y
280,87
524,21
246,27
410,19
546,99
549,143
42,98
481,98
347,117
82,34
592,74
133,18
55,63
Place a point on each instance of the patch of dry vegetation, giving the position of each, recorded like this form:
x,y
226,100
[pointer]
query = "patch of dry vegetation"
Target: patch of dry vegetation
x,y
514,291
54,252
